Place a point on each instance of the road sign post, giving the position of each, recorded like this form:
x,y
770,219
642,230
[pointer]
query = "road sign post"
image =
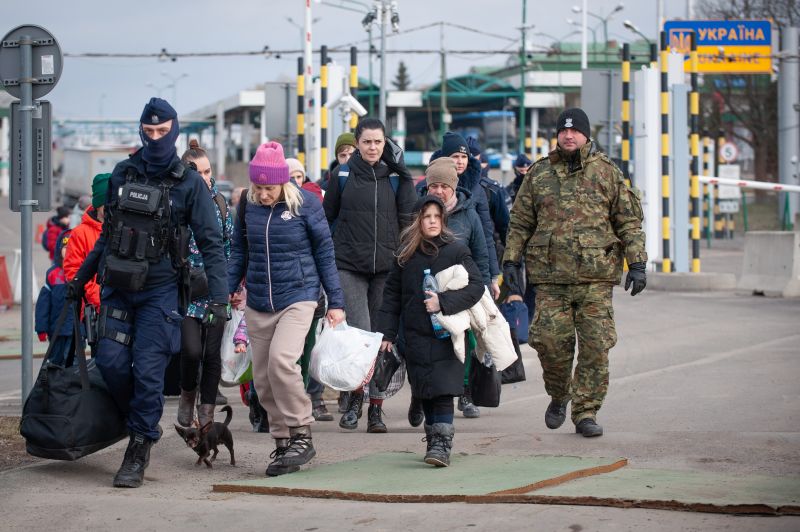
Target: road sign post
x,y
30,66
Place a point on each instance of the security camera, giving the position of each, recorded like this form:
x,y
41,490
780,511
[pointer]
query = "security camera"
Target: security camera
x,y
354,104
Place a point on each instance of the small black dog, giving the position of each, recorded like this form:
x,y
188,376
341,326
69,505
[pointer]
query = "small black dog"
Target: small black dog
x,y
205,439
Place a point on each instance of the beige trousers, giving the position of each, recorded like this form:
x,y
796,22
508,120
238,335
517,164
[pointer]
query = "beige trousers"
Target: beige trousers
x,y
277,340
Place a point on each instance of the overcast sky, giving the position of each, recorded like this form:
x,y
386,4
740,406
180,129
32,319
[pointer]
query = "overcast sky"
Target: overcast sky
x,y
118,88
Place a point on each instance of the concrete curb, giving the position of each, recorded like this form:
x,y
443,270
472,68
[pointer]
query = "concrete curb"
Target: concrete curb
x,y
691,282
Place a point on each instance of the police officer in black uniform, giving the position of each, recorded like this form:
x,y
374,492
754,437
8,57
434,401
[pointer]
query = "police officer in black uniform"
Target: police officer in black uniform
x,y
141,256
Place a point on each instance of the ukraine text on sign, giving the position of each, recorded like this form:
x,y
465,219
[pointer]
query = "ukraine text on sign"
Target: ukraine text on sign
x,y
724,46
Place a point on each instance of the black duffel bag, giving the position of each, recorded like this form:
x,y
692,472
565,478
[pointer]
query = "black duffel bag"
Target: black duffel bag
x,y
70,412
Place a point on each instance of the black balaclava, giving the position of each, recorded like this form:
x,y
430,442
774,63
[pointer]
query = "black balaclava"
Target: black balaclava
x,y
158,154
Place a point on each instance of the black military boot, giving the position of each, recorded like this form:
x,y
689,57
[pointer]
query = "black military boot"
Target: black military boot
x,y
589,428
301,449
277,467
320,411
375,424
440,442
555,414
343,401
350,418
137,458
416,415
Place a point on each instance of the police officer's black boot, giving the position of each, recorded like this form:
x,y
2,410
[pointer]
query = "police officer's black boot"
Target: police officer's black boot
x,y
555,414
350,418
186,407
375,424
137,458
277,467
301,449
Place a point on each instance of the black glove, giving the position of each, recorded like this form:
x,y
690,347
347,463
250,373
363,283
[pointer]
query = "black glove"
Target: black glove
x,y
216,313
512,278
637,276
75,290
393,155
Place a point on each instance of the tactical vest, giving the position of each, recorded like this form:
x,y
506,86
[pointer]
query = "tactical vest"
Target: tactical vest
x,y
141,229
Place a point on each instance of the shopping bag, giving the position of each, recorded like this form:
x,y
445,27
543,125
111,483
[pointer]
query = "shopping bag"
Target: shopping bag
x,y
395,384
484,383
344,357
70,413
235,366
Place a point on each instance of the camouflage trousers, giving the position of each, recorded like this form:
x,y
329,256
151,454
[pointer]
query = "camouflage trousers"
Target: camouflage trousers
x,y
564,312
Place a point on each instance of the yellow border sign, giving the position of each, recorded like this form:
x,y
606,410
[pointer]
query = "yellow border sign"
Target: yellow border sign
x,y
724,46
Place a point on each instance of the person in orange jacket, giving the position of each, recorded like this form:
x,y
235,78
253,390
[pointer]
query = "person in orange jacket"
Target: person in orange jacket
x,y
85,235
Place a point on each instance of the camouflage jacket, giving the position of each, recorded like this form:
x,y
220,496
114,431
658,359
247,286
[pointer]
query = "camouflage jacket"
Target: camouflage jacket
x,y
574,225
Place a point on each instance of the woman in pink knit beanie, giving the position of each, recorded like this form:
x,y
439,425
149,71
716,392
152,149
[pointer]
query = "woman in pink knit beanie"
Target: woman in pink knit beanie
x,y
282,247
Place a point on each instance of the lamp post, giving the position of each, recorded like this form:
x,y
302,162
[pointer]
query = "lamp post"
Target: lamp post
x,y
594,41
174,85
384,13
584,12
628,24
159,88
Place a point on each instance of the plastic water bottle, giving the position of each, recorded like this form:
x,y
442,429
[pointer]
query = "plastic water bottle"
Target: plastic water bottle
x,y
429,285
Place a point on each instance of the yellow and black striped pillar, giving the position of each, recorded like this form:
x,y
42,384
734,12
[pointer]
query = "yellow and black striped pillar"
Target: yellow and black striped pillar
x,y
539,147
301,117
323,109
528,146
719,223
706,197
354,83
666,265
694,141
626,112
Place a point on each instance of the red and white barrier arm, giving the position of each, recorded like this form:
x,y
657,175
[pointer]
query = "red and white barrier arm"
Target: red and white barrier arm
x,y
741,183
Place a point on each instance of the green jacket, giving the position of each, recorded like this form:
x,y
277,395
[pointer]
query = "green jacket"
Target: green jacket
x,y
575,219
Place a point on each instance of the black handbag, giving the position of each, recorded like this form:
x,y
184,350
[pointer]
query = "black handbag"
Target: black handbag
x,y
70,412
484,384
385,366
516,371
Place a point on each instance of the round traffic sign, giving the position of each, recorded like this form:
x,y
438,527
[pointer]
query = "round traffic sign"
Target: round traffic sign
x,y
46,60
728,152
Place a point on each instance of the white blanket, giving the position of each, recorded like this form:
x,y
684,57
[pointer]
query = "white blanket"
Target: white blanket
x,y
484,318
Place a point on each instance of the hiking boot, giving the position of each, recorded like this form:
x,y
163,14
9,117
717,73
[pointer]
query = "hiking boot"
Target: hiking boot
x,y
350,418
344,401
221,399
375,424
555,414
320,411
440,442
137,458
300,449
416,415
186,407
466,406
277,467
589,428
205,414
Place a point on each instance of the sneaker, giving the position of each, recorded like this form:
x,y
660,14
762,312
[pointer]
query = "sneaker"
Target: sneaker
x,y
320,411
277,467
555,414
300,449
589,428
466,406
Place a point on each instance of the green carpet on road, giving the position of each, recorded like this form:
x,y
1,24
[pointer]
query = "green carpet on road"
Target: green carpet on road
x,y
687,487
403,474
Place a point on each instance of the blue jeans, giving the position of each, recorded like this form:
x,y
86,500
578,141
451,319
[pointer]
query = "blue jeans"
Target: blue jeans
x,y
133,353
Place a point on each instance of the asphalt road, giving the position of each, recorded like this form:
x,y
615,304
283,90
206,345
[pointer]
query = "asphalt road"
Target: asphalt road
x,y
702,382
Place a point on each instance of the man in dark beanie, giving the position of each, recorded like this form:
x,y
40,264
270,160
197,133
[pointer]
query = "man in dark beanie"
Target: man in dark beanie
x,y
152,201
575,220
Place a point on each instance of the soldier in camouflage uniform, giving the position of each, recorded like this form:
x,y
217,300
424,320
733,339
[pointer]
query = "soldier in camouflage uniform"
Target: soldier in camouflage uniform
x,y
575,219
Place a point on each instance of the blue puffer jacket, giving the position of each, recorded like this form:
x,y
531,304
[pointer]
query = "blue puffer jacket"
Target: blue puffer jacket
x,y
283,256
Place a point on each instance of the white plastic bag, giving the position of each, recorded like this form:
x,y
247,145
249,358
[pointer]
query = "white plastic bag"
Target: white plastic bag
x,y
344,357
234,364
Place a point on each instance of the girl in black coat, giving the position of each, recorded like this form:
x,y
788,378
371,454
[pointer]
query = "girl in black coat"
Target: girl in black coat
x,y
435,374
